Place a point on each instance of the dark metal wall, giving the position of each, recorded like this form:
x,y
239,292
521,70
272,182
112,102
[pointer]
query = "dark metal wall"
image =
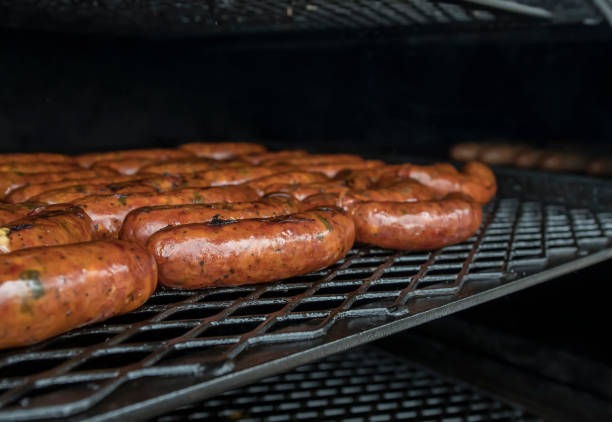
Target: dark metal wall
x,y
70,93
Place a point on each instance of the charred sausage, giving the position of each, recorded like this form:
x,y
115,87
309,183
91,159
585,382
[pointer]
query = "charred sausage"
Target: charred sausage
x,y
10,212
302,191
49,290
141,223
109,211
249,251
419,225
159,154
46,228
222,150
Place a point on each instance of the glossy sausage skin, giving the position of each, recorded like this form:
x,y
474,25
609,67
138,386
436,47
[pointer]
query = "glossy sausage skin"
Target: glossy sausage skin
x,y
37,167
109,211
141,223
159,154
10,212
50,290
46,228
222,150
192,165
289,177
419,225
72,193
127,166
36,157
402,190
230,176
332,169
315,159
325,200
258,158
10,181
302,191
251,251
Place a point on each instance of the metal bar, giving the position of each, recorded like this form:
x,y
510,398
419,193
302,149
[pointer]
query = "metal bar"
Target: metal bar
x,y
513,7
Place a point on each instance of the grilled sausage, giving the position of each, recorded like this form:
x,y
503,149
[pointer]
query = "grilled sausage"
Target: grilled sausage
x,y
332,169
258,158
314,159
325,200
127,166
10,212
159,182
159,154
72,193
37,167
564,161
141,223
529,158
230,176
405,190
366,179
416,226
600,167
46,228
289,177
223,253
109,211
302,191
10,181
222,150
499,153
35,157
466,151
50,290
192,165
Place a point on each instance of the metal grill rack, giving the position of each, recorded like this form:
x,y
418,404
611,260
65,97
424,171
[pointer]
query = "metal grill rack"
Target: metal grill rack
x,y
363,385
184,346
248,16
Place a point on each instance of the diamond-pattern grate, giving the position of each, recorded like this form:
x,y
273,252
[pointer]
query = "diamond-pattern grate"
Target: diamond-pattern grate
x,y
363,385
186,345
240,16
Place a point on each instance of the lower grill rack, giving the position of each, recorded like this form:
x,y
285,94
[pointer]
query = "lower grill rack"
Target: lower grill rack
x,y
363,385
185,346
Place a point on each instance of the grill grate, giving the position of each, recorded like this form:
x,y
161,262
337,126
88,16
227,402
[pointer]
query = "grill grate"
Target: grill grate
x,y
240,16
186,345
363,385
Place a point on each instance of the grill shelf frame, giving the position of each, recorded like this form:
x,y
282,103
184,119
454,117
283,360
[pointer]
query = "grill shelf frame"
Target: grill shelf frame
x,y
181,347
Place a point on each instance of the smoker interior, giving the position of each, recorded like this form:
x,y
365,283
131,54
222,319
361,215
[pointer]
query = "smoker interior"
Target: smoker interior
x,y
76,82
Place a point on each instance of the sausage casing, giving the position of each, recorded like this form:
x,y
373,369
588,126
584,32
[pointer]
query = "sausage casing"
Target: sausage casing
x,y
46,228
229,176
37,167
416,225
127,166
35,157
159,154
72,193
222,150
251,251
108,211
49,290
260,157
289,177
10,212
141,223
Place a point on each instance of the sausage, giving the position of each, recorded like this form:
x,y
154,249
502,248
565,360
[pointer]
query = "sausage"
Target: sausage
x,y
141,223
10,181
222,150
465,151
475,180
235,252
161,183
46,228
325,200
192,165
127,166
35,157
258,158
314,159
529,158
403,190
10,212
230,176
332,169
289,177
499,153
159,154
417,226
37,167
564,161
301,191
600,166
72,193
366,179
47,291
108,211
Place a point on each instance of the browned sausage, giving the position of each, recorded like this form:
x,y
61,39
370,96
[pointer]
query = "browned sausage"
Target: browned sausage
x,y
160,182
46,228
222,150
109,211
72,193
416,226
159,154
250,251
324,200
35,157
10,181
141,223
465,151
332,169
301,191
499,153
10,212
230,176
193,165
600,166
366,179
314,159
289,177
403,190
258,158
49,290
529,158
564,161
37,167
127,166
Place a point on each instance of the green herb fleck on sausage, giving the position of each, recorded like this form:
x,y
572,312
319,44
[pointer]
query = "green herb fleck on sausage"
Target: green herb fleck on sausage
x,y
32,278
197,198
122,199
327,224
